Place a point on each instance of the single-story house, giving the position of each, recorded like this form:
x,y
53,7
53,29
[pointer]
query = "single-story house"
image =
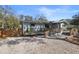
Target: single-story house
x,y
37,27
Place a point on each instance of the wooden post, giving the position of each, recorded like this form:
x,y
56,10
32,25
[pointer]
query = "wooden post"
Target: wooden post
x,y
0,33
46,34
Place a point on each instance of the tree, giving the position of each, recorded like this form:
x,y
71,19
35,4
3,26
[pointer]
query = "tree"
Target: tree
x,y
28,18
1,17
75,20
12,22
41,18
5,11
8,18
21,17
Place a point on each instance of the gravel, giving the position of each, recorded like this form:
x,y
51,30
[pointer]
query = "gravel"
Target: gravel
x,y
29,45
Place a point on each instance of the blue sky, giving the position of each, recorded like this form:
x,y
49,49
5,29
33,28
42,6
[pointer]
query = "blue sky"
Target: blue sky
x,y
52,12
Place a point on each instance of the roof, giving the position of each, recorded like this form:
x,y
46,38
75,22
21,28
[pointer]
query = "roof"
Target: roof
x,y
35,21
40,22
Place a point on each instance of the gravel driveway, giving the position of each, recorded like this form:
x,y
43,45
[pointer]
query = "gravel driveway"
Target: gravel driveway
x,y
37,46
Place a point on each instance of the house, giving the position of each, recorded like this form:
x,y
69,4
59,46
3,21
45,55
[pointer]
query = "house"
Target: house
x,y
36,27
65,24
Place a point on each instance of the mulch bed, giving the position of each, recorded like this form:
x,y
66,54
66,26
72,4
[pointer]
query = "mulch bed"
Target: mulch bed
x,y
10,32
73,41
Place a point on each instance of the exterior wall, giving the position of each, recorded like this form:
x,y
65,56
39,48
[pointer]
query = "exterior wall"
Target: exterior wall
x,y
40,27
36,28
26,27
63,27
56,26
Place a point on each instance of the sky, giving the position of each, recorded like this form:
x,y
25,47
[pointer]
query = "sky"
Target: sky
x,y
52,12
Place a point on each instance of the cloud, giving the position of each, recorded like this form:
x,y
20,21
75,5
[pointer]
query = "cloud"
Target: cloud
x,y
58,13
22,12
47,12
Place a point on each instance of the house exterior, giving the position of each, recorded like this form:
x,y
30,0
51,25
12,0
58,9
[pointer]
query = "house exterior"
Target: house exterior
x,y
65,23
39,27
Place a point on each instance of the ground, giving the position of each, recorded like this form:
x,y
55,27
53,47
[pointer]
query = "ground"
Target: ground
x,y
37,46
